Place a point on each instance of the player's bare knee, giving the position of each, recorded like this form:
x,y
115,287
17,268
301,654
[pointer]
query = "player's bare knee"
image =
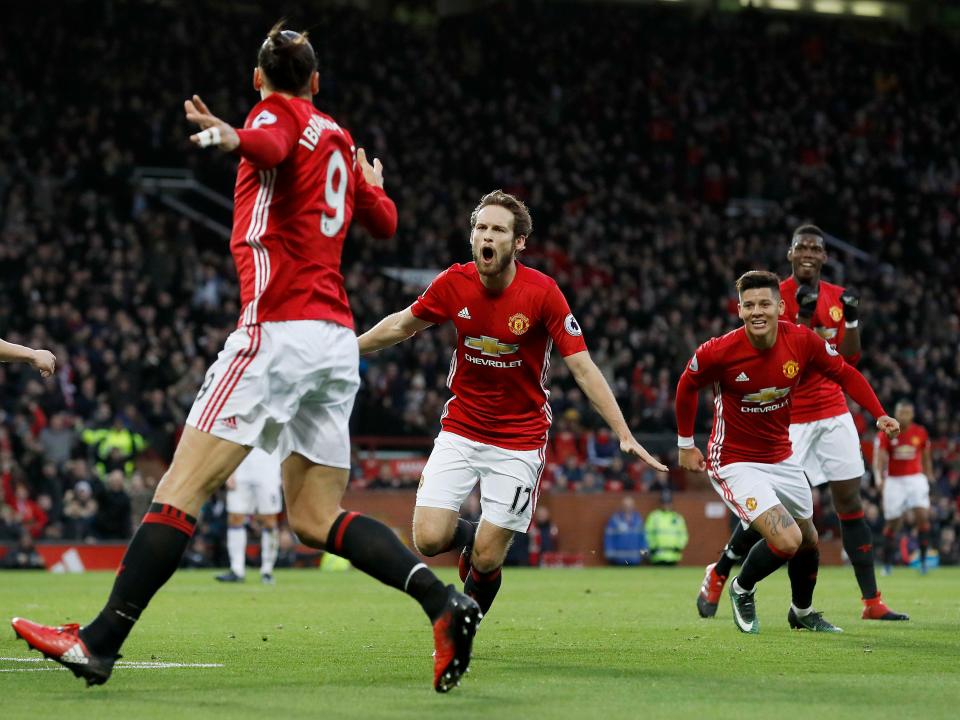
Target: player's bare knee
x,y
312,528
429,542
787,542
488,558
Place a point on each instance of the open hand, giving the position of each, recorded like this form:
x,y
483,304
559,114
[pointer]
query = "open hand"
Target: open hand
x,y
373,174
632,447
214,131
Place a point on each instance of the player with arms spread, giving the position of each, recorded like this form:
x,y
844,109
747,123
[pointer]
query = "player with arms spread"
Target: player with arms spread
x,y
286,378
903,470
824,438
494,427
754,371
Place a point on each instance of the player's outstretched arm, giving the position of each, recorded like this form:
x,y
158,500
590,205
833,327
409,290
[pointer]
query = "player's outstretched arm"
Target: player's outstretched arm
x,y
594,386
42,360
391,330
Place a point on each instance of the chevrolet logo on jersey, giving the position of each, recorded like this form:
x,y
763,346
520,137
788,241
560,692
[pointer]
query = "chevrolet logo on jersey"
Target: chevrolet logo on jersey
x,y
766,395
490,346
767,400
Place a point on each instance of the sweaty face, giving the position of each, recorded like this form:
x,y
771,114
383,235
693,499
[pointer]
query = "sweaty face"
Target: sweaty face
x,y
760,309
903,414
807,255
492,240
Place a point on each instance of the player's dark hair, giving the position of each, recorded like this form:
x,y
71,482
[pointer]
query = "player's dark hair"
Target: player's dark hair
x,y
808,230
755,279
522,222
287,60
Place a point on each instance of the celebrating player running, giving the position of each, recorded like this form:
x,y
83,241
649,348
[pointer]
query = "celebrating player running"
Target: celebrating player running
x,y
753,371
494,427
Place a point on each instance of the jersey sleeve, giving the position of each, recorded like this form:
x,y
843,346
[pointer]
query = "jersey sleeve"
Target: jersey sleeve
x,y
825,358
271,137
701,370
435,303
560,323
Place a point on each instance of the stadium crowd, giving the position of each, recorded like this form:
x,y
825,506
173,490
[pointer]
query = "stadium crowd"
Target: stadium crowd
x,y
680,156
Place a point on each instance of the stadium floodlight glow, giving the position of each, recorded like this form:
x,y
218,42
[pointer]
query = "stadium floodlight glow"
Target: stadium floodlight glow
x,y
783,4
868,9
834,7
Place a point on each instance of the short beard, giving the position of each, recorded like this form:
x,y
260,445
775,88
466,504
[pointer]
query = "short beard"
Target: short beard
x,y
500,266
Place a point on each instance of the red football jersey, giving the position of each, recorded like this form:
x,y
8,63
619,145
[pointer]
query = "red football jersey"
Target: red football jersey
x,y
498,373
292,212
817,397
753,389
905,451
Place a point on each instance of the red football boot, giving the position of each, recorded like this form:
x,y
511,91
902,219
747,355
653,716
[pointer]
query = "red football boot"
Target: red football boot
x,y
453,639
710,592
876,609
64,645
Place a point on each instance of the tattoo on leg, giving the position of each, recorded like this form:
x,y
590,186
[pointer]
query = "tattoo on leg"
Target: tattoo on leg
x,y
778,519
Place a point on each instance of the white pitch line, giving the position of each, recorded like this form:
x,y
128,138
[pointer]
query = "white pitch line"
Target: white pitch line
x,y
130,664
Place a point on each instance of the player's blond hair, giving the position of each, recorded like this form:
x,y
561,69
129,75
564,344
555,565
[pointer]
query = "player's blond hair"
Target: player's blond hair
x,y
522,222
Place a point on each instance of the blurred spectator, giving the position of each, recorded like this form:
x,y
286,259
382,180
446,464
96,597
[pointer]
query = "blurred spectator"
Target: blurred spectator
x,y
114,447
58,439
28,513
602,448
624,540
23,556
79,512
666,532
114,513
542,536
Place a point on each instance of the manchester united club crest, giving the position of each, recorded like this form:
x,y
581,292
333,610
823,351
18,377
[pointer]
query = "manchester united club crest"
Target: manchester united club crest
x,y
518,323
751,504
791,368
836,314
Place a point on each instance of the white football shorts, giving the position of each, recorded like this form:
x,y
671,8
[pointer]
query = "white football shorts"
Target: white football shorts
x,y
750,489
257,488
286,386
509,480
905,492
828,449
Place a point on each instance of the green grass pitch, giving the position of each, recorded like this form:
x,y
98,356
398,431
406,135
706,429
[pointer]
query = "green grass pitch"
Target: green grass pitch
x,y
597,643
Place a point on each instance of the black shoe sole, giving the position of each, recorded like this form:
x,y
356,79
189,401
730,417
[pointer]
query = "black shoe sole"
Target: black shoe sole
x,y
95,672
463,625
706,609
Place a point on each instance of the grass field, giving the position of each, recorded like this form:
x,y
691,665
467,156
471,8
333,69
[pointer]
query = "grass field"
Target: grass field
x,y
558,644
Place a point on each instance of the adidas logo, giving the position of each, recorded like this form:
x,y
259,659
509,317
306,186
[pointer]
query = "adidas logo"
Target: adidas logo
x,y
742,377
465,314
231,422
75,655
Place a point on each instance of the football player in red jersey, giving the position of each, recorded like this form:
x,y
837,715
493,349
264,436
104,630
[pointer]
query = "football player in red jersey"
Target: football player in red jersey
x,y
494,427
41,360
903,469
754,371
825,440
286,378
